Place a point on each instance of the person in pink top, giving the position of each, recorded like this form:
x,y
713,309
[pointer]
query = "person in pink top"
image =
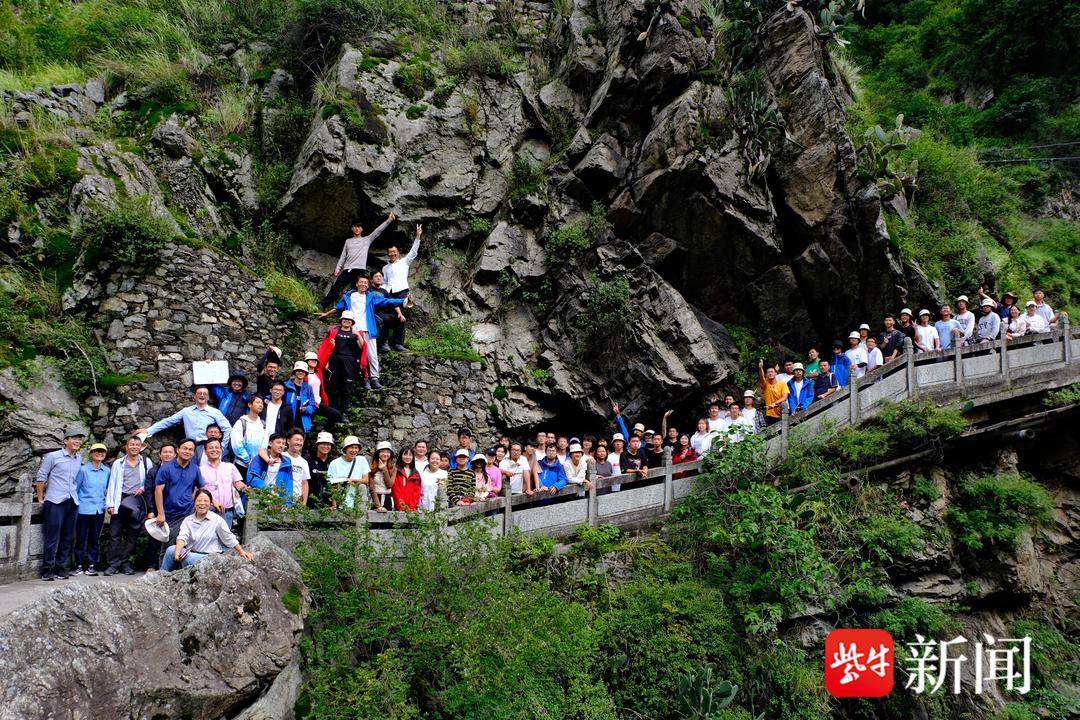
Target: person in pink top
x,y
220,478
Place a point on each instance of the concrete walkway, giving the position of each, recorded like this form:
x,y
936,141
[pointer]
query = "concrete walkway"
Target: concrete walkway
x,y
15,595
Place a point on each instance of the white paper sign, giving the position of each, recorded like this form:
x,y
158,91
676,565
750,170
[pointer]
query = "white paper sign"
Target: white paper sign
x,y
210,372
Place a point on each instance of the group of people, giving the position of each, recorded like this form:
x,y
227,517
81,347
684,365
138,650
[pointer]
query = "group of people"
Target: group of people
x,y
192,499
798,385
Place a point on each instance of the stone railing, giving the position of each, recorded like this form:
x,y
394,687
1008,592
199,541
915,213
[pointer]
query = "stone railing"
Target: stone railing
x,y
638,501
980,373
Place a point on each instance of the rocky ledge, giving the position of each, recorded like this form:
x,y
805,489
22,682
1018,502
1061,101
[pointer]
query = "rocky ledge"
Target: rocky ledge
x,y
198,643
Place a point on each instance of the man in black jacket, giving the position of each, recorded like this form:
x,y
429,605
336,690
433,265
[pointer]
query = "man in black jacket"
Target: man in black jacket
x,y
277,415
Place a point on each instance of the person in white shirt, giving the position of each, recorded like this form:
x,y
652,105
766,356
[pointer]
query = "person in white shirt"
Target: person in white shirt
x,y
1035,322
864,333
1042,309
420,455
300,469
698,437
789,372
312,360
351,468
965,319
874,358
577,469
926,336
738,425
1016,326
515,470
856,354
431,477
716,420
396,281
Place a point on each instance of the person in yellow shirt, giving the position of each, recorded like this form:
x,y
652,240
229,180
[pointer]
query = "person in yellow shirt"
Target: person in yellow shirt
x,y
774,391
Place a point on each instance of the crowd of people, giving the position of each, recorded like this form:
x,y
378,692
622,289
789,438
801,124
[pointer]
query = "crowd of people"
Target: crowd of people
x,y
280,438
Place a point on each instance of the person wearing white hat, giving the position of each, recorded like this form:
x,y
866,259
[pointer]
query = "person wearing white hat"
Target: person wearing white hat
x,y
965,319
299,397
461,479
350,469
856,354
750,411
906,326
864,332
1035,322
577,469
989,324
382,475
800,390
313,379
926,335
91,484
318,466
343,366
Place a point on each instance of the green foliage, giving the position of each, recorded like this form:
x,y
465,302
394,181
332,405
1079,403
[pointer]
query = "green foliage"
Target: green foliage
x,y
500,392
414,112
1015,711
541,376
484,58
836,19
293,297
913,616
595,541
699,697
1063,397
754,118
607,309
415,78
445,631
572,242
449,339
129,234
994,509
292,600
878,156
481,226
891,538
526,177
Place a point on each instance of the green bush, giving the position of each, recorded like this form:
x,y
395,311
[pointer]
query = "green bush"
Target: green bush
x,y
291,295
415,78
485,58
607,309
416,111
449,339
526,177
129,234
1063,397
994,509
913,616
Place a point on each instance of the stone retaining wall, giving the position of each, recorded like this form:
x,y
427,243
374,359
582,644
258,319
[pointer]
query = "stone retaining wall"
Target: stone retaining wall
x,y
429,398
197,305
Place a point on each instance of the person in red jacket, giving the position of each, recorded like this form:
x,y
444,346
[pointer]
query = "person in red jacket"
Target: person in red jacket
x,y
406,489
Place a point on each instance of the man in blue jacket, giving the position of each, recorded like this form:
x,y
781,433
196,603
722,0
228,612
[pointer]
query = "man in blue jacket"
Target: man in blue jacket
x,y
841,365
801,391
363,305
275,474
231,398
299,397
550,475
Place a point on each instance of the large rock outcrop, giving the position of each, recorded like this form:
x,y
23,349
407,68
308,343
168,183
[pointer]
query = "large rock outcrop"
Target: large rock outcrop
x,y
639,120
197,644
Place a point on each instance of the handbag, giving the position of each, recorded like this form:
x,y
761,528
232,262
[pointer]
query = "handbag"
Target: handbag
x,y
238,504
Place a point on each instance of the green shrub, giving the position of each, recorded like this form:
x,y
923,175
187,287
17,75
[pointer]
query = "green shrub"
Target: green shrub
x,y
415,78
129,234
485,58
415,111
573,241
994,509
891,538
1063,397
594,541
449,339
526,177
913,616
292,296
500,392
607,309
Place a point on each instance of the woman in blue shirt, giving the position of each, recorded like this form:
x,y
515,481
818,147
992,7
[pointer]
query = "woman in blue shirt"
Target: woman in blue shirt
x,y
90,486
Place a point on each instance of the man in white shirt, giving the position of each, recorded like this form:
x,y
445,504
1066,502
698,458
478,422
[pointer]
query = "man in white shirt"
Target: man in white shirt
x,y
856,354
420,453
874,358
396,281
1043,310
715,419
300,469
515,470
1035,322
739,426
789,372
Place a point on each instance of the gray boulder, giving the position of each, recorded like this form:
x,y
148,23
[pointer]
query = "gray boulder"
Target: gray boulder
x,y
197,643
39,408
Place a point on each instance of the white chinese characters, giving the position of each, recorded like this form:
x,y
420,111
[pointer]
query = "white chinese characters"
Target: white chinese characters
x,y
995,659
